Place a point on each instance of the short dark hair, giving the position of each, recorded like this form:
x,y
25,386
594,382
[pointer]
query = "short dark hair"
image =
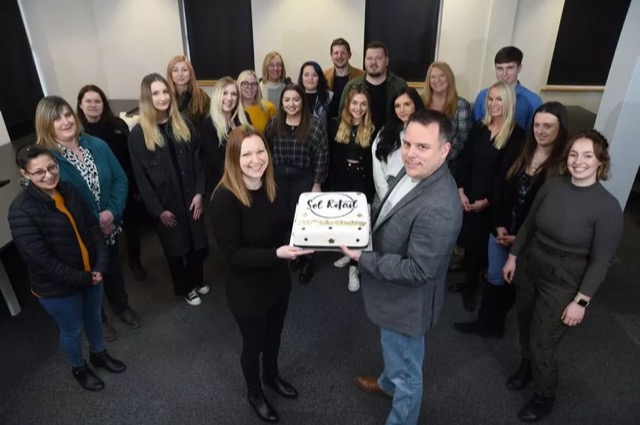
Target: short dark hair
x,y
340,42
429,116
377,45
509,54
30,152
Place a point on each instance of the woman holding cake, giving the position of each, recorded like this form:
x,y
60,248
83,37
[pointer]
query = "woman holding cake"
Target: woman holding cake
x,y
351,159
299,144
250,225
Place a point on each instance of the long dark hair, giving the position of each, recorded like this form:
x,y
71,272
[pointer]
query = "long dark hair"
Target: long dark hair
x,y
551,166
302,133
390,134
107,116
323,89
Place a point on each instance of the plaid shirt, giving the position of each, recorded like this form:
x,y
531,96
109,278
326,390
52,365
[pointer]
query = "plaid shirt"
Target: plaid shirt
x,y
312,153
461,124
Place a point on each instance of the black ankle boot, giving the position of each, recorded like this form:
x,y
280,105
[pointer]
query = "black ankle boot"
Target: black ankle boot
x,y
105,361
537,408
468,327
261,406
521,377
87,378
280,386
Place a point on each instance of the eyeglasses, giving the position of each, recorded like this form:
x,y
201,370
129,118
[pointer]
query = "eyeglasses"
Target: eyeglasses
x,y
41,174
274,65
248,85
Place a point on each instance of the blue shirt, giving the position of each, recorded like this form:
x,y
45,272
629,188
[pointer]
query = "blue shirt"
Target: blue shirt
x,y
526,104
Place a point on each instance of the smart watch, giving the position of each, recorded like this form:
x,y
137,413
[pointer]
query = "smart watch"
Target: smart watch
x,y
581,302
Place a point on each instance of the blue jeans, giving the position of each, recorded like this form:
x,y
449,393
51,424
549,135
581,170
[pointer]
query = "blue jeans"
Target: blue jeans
x,y
498,255
402,375
71,312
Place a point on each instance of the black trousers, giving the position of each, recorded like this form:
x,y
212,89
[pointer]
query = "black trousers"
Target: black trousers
x,y
292,182
131,219
476,228
187,272
261,334
548,280
114,289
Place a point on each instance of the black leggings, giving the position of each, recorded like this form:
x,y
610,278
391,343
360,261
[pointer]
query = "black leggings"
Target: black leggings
x,y
261,334
187,272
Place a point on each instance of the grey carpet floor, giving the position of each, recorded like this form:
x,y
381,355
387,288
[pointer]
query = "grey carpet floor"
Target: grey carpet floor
x,y
183,363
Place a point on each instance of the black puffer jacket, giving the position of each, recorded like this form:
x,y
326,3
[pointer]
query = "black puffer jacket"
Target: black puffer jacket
x,y
48,244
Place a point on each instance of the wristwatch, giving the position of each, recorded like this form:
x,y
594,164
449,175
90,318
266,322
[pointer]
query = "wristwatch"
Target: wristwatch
x,y
581,302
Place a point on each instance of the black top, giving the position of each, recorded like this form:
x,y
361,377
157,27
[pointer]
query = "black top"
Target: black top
x,y
213,151
248,237
481,162
378,96
338,87
47,241
116,136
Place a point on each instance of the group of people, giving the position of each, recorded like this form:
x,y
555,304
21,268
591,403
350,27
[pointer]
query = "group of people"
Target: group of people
x,y
502,180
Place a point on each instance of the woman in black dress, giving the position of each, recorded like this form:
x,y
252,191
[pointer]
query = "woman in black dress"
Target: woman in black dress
x,y
250,225
494,142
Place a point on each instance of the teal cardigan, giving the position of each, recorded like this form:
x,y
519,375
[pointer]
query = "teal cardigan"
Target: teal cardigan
x,y
113,181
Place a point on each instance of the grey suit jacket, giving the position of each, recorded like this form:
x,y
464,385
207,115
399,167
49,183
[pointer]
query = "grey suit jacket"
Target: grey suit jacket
x,y
403,279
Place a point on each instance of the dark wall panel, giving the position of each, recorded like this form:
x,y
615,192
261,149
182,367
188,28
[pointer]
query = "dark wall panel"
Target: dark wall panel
x,y
20,88
220,37
587,39
409,28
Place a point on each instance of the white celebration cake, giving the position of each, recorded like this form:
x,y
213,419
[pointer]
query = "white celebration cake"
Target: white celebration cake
x,y
326,221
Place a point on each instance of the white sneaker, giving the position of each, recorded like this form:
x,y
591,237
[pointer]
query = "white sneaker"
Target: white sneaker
x,y
342,262
202,290
354,279
192,298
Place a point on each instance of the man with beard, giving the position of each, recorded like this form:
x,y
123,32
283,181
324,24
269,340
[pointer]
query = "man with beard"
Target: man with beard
x,y
341,73
379,81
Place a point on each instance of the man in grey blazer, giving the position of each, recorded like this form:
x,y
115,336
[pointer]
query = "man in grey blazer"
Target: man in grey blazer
x,y
403,278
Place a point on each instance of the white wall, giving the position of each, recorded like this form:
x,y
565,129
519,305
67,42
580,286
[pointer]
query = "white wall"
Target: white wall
x,y
302,31
110,43
114,43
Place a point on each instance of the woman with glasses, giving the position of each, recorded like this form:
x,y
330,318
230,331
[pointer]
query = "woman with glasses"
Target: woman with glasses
x,y
87,163
62,244
259,110
274,77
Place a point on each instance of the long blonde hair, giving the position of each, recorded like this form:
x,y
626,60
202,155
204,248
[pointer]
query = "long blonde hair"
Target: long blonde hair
x,y
365,129
217,116
508,96
148,115
198,103
48,110
451,99
232,177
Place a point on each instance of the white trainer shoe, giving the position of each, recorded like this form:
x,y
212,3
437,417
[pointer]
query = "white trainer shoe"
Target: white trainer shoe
x,y
342,262
192,298
202,290
354,279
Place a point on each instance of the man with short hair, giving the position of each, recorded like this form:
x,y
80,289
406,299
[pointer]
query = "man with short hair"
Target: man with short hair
x,y
508,63
381,83
403,278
